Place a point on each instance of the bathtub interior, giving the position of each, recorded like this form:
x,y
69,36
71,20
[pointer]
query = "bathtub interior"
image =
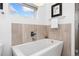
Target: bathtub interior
x,y
55,50
33,47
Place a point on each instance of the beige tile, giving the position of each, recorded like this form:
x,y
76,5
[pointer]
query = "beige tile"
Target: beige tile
x,y
64,34
16,34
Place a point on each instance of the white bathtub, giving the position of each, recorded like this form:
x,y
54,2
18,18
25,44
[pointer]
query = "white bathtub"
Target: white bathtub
x,y
0,49
43,47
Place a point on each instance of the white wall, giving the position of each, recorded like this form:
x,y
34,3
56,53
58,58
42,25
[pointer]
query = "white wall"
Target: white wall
x,y
67,13
5,31
38,19
5,35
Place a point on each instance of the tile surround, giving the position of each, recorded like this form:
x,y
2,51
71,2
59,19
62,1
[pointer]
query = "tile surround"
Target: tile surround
x,y
21,34
26,29
64,34
16,34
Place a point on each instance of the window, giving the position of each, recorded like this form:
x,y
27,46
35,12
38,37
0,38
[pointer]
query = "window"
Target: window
x,y
22,10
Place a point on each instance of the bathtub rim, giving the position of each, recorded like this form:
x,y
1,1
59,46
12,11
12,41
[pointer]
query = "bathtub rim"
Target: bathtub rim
x,y
35,41
19,53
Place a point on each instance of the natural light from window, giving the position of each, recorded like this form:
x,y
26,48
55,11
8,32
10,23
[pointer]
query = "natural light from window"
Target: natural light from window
x,y
21,10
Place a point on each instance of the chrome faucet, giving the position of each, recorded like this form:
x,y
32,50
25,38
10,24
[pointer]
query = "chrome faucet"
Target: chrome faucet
x,y
33,34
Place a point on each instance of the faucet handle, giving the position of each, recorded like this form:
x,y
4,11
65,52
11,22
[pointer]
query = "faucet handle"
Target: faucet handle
x,y
33,34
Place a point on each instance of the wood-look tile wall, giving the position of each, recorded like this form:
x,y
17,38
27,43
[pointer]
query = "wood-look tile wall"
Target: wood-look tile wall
x,y
21,33
17,34
62,33
40,30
